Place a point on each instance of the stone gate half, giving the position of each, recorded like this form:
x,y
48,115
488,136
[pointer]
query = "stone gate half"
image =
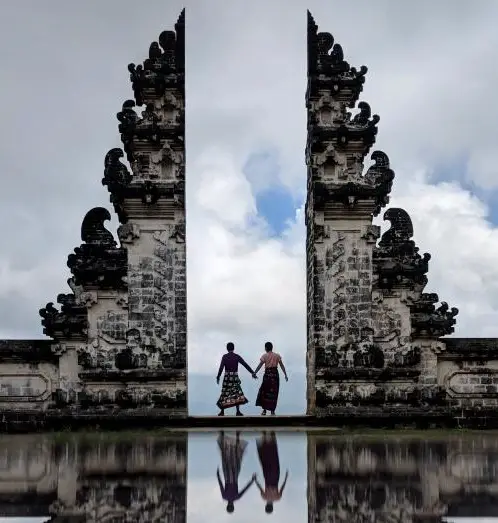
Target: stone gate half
x,y
375,350
375,346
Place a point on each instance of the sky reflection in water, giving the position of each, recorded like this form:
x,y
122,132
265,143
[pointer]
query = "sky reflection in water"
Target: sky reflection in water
x,y
174,478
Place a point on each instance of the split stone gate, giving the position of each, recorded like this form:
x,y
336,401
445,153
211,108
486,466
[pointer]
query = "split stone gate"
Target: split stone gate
x,y
118,340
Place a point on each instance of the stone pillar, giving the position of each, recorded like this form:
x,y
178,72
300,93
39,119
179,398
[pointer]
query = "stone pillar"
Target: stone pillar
x,y
340,206
150,203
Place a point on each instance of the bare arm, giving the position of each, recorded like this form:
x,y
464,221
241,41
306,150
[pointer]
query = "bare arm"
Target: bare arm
x,y
220,370
258,367
260,487
244,490
220,483
281,363
284,483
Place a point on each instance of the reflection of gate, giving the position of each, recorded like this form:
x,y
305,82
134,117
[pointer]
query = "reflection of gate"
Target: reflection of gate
x,y
97,479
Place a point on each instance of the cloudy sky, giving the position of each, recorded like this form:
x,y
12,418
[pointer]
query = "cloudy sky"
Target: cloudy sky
x,y
432,75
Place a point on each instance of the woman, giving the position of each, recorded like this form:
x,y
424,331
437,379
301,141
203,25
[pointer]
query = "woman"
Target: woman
x,y
231,390
268,392
232,451
270,463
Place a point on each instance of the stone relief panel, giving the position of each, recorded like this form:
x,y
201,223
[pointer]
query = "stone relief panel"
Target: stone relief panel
x,y
160,394
347,292
392,330
24,386
157,290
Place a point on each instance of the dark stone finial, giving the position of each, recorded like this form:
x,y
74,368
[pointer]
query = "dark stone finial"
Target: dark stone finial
x,y
117,178
98,262
70,322
401,229
93,230
164,67
396,258
327,68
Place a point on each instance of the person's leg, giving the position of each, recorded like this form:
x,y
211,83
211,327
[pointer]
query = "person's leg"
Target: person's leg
x,y
238,413
222,412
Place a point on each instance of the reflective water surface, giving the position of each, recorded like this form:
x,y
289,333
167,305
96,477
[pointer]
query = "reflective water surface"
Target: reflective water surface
x,y
292,477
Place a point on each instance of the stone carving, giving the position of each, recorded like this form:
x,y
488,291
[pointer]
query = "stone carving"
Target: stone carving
x,y
397,261
375,185
69,323
163,68
327,69
128,232
116,177
427,321
98,262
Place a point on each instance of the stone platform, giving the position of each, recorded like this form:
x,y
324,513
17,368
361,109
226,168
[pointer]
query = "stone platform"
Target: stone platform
x,y
29,421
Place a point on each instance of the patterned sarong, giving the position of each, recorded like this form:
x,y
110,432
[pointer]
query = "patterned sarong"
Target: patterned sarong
x,y
231,392
268,392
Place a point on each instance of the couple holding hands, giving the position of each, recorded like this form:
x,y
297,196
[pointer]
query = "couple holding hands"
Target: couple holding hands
x,y
231,389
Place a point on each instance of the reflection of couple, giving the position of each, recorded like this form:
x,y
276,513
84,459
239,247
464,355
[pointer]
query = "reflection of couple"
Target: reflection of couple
x,y
231,389
232,451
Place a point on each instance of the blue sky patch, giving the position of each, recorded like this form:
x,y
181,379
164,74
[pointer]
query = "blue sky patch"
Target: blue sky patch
x,y
277,206
274,202
262,169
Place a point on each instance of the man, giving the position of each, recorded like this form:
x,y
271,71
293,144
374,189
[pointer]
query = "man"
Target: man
x,y
268,392
231,390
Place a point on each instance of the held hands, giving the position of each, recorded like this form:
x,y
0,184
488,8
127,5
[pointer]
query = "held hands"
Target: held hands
x,y
286,378
254,376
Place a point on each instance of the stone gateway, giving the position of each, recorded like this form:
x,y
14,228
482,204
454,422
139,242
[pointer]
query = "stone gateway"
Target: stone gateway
x,y
376,350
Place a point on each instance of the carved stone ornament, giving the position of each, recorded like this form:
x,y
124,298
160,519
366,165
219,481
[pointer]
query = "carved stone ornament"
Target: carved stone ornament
x,y
128,232
164,68
98,262
327,68
122,301
375,185
429,321
117,177
360,129
88,299
59,349
396,259
70,322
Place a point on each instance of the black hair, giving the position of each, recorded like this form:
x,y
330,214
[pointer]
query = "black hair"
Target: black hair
x,y
230,506
269,507
268,346
230,346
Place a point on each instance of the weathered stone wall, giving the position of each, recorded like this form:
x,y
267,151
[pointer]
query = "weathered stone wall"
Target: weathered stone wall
x,y
401,480
143,480
467,369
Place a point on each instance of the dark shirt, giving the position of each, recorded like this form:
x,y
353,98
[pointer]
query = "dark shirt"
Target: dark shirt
x,y
230,362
